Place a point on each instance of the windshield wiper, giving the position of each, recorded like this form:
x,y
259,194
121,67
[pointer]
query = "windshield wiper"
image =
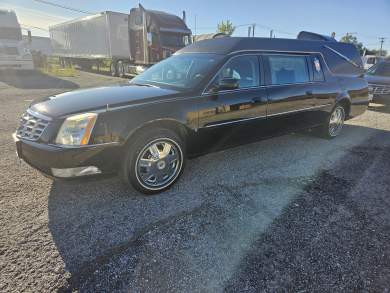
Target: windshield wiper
x,y
143,84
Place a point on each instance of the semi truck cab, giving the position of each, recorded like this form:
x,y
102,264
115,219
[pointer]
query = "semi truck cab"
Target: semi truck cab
x,y
155,35
14,51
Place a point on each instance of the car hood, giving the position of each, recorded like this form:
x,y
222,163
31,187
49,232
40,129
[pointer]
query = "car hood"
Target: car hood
x,y
99,98
374,79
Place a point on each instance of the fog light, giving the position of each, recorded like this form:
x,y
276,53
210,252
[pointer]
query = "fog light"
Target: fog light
x,y
75,172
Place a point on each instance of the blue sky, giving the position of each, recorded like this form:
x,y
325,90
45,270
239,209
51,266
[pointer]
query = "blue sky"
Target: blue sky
x,y
368,19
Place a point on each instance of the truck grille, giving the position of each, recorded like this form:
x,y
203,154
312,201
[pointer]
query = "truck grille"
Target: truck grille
x,y
378,89
32,125
9,50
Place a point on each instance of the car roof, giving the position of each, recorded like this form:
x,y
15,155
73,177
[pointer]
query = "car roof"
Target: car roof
x,y
342,58
232,44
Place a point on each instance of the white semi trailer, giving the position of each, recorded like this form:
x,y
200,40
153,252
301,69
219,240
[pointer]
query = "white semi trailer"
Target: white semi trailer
x,y
128,42
14,51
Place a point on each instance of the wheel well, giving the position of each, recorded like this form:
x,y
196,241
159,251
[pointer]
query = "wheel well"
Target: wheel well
x,y
173,125
346,105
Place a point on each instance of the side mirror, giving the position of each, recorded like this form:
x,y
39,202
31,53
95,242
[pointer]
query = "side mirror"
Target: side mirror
x,y
228,84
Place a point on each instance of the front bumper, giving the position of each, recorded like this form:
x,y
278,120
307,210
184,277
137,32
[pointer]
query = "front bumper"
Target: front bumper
x,y
55,161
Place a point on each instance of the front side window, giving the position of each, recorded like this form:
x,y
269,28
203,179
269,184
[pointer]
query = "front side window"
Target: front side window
x,y
184,71
245,69
288,69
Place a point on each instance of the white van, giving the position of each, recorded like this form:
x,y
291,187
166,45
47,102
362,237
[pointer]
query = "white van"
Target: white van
x,y
14,52
371,60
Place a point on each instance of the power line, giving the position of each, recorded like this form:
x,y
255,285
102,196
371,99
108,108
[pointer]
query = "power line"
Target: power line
x,y
40,14
64,7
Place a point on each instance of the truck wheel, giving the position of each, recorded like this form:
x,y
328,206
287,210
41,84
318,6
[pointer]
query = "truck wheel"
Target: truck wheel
x,y
120,68
113,69
154,161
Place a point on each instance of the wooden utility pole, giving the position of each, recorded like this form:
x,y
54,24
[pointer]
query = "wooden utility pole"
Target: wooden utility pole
x,y
382,40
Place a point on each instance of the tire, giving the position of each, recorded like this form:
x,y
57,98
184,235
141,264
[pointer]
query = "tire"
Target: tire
x,y
150,170
120,69
334,123
113,70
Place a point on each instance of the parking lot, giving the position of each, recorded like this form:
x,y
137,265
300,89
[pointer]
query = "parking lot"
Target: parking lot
x,y
292,213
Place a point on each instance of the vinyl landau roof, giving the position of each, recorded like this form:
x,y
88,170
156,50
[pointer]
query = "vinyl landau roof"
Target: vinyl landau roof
x,y
341,58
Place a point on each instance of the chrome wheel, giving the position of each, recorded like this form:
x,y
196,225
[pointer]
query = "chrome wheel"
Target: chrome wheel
x,y
158,164
336,121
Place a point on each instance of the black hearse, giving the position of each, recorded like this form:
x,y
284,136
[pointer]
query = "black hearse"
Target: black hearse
x,y
207,95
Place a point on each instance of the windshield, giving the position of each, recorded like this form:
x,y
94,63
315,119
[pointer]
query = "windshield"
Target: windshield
x,y
183,71
381,69
172,40
10,33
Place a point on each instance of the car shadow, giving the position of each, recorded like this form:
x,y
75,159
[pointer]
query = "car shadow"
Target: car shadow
x,y
92,218
34,80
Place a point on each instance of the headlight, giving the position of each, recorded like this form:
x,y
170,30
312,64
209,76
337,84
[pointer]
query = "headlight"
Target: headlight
x,y
77,129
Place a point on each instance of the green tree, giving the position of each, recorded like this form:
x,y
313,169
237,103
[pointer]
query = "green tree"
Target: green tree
x,y
226,27
348,38
377,52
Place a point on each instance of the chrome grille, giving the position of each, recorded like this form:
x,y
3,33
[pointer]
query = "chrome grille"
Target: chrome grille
x,y
378,89
32,125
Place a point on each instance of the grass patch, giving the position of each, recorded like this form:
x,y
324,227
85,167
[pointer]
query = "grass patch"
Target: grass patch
x,y
56,70
51,66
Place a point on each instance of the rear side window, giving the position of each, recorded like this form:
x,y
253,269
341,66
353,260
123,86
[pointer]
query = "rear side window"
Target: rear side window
x,y
318,73
288,69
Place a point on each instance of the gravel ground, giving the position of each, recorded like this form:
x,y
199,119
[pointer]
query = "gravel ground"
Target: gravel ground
x,y
293,213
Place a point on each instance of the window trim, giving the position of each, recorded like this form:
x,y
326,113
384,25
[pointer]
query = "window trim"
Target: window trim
x,y
265,71
311,67
269,51
269,74
260,80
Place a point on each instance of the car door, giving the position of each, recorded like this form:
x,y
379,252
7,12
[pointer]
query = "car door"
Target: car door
x,y
227,112
290,93
324,86
229,106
